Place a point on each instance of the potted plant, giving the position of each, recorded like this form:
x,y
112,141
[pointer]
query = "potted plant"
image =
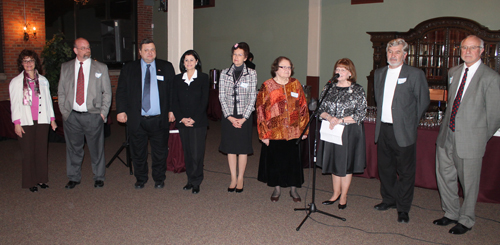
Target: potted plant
x,y
55,52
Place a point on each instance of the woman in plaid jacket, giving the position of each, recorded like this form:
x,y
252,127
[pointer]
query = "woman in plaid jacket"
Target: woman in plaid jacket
x,y
237,93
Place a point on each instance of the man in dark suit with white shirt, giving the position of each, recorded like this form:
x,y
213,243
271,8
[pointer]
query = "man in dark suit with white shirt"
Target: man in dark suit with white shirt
x,y
471,119
402,97
84,97
143,99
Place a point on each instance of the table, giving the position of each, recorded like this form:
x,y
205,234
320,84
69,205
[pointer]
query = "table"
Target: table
x,y
489,188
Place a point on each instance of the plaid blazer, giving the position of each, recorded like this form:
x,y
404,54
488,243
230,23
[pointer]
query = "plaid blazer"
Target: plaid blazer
x,y
245,88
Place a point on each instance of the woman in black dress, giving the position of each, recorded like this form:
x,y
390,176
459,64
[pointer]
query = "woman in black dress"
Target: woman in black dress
x,y
189,102
237,93
344,104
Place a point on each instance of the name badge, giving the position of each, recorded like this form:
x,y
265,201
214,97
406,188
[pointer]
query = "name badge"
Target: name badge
x,y
244,85
98,74
401,80
159,78
295,95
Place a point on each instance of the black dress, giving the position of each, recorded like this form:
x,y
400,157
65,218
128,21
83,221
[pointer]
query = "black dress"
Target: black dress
x,y
236,140
350,157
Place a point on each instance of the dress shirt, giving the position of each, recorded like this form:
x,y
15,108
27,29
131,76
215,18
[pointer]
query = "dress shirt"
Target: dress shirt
x,y
86,73
470,75
391,80
154,94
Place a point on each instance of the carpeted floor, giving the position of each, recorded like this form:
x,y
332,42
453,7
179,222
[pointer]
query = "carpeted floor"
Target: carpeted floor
x,y
120,214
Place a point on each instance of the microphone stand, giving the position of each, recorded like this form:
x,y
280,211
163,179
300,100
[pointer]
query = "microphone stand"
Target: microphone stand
x,y
126,146
312,206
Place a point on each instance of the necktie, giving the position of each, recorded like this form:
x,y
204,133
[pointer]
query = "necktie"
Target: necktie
x,y
457,101
146,98
80,86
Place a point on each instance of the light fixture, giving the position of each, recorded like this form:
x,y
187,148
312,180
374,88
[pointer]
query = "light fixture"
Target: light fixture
x,y
26,33
83,2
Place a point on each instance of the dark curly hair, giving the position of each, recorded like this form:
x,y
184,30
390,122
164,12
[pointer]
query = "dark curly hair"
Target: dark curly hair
x,y
32,54
275,65
196,57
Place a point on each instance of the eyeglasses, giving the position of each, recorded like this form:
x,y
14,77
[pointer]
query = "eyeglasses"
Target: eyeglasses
x,y
285,67
83,48
471,48
28,61
340,70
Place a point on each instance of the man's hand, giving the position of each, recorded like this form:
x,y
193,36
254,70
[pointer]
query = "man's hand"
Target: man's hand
x,y
122,117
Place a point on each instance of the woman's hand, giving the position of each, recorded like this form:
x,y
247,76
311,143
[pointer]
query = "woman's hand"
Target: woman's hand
x,y
53,124
304,136
241,121
266,141
171,117
334,121
188,122
234,121
19,130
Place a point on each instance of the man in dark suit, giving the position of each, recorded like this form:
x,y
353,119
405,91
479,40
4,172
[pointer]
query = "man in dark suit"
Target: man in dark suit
x,y
402,97
143,99
84,96
467,126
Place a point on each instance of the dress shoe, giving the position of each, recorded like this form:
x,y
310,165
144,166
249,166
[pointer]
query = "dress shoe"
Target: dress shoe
x,y
159,184
188,186
384,206
196,189
459,229
229,189
98,184
295,199
238,190
139,185
403,217
275,198
43,185
34,189
342,206
328,202
444,221
72,184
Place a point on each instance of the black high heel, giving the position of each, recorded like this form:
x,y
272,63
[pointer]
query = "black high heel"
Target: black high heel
x,y
328,202
239,190
342,206
229,189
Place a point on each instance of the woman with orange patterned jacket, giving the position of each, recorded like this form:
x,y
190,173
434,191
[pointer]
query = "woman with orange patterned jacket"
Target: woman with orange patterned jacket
x,y
282,115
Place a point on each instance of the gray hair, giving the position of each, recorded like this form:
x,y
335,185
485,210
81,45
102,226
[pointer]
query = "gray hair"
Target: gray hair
x,y
396,42
473,36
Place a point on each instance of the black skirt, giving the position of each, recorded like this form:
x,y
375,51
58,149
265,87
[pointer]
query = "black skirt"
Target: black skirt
x,y
280,164
236,140
348,158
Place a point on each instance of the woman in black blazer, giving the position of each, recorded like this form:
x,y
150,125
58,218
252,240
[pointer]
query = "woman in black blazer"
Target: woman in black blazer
x,y
190,102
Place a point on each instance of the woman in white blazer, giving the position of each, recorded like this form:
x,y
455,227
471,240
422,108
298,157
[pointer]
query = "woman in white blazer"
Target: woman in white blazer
x,y
32,112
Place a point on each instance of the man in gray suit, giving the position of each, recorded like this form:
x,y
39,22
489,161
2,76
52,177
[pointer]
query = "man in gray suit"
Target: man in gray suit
x,y
84,96
467,126
402,97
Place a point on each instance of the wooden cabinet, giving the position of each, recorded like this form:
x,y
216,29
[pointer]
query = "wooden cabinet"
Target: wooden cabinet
x,y
434,47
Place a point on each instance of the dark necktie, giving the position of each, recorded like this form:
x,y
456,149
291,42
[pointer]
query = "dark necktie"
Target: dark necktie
x,y
80,86
457,101
146,93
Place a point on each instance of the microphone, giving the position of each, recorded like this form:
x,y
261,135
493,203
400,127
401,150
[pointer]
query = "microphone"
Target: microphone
x,y
336,76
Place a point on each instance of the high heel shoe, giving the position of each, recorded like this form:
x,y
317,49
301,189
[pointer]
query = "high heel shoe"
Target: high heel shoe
x,y
43,185
342,206
295,199
229,189
33,189
328,202
239,190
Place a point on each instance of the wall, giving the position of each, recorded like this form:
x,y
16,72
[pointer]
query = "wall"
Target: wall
x,y
279,27
271,28
13,43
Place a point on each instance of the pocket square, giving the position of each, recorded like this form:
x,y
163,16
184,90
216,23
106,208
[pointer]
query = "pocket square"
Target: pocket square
x,y
98,74
401,80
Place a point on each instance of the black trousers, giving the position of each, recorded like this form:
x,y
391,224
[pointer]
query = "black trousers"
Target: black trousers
x,y
193,144
396,169
151,129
